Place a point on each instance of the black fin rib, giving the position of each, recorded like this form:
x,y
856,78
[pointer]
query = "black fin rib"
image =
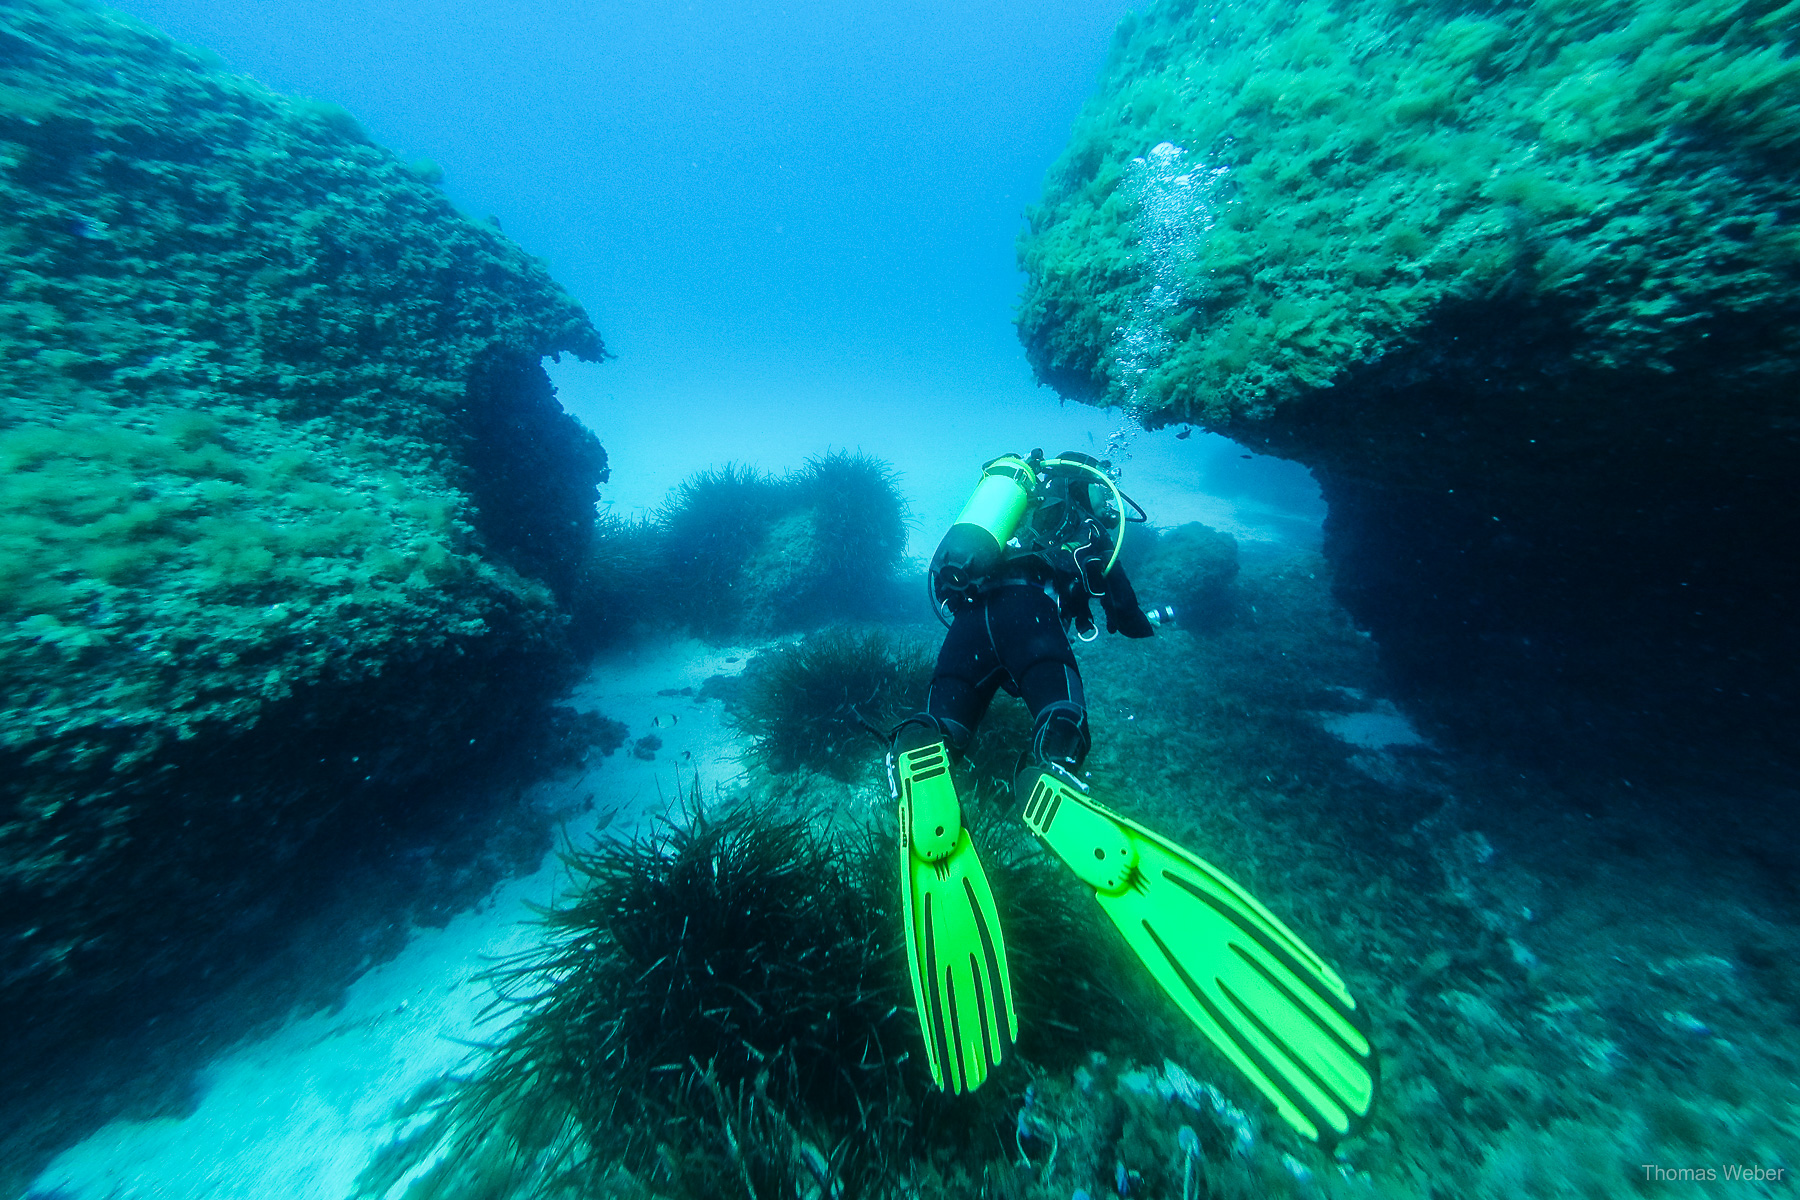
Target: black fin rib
x,y
1298,1063
1321,1128
934,995
981,1002
1268,976
1276,950
962,1068
997,994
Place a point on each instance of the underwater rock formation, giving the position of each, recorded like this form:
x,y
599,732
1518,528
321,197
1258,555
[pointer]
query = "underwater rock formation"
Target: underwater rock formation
x,y
735,552
288,499
1189,568
1521,284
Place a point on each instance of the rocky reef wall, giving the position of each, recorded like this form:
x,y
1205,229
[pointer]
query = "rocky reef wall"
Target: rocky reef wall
x,y
1520,283
286,499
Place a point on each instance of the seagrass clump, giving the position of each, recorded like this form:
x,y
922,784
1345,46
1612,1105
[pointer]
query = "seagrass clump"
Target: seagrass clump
x,y
811,705
716,1010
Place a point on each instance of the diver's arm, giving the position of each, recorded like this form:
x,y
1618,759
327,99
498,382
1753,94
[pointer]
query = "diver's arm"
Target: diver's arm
x,y
1112,587
1123,613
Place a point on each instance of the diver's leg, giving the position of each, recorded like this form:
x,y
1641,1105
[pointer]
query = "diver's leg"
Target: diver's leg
x,y
967,675
1029,638
956,950
1266,1001
1059,725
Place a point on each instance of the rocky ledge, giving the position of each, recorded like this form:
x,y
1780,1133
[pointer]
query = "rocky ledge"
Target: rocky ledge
x,y
1520,284
287,503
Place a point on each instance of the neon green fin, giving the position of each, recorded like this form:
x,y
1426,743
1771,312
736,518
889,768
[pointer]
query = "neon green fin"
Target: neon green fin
x,y
1266,1001
954,945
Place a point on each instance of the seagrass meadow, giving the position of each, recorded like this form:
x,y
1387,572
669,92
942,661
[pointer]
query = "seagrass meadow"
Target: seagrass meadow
x,y
1554,1003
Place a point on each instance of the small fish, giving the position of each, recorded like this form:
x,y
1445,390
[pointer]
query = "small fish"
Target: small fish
x,y
1184,435
1246,456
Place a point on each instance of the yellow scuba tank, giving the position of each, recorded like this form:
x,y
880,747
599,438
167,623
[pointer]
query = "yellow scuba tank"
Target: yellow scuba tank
x,y
977,541
1000,498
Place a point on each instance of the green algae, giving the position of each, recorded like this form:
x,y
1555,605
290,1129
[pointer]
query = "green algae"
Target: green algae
x,y
721,1008
818,704
1346,172
235,465
713,1006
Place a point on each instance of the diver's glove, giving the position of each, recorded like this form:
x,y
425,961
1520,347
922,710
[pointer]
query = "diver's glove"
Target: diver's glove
x,y
1114,591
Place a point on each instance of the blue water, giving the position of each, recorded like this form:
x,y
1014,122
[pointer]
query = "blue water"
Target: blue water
x,y
793,224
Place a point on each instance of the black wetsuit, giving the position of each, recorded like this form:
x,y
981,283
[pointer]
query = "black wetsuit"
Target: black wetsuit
x,y
1011,631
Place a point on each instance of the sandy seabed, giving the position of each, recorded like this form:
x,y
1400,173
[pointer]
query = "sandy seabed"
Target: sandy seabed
x,y
298,1113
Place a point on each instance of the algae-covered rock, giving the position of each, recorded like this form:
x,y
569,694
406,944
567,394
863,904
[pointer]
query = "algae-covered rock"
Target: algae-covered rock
x,y
1520,283
1189,568
1262,197
285,497
738,552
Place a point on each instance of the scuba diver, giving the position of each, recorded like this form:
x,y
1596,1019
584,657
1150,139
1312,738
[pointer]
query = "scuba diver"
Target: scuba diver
x,y
1038,541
